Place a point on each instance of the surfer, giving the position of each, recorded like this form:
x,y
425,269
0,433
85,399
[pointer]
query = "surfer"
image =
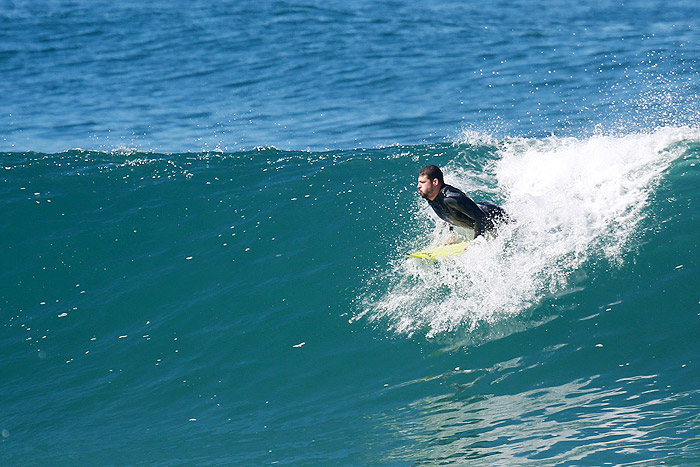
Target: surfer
x,y
453,206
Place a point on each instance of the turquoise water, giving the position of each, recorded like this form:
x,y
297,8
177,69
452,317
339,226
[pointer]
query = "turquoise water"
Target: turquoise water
x,y
218,276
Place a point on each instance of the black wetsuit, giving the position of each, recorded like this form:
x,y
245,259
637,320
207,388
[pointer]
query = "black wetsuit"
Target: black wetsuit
x,y
458,209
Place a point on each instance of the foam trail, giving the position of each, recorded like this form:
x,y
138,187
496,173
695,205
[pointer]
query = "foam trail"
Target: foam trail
x,y
573,201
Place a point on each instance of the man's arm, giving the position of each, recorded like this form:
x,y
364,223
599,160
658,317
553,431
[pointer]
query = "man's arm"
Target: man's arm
x,y
468,208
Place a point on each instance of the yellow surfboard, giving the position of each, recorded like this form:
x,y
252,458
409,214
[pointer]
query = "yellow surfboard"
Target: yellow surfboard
x,y
443,251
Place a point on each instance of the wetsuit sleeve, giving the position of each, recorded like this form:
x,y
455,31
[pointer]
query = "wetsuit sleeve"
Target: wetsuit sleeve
x,y
468,209
473,213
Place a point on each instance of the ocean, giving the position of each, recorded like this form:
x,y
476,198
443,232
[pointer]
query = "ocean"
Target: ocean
x,y
208,205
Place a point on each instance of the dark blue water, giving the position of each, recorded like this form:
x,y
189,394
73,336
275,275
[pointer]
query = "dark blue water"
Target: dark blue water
x,y
171,76
207,209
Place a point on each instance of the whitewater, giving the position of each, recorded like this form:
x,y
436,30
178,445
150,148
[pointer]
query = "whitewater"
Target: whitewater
x,y
573,202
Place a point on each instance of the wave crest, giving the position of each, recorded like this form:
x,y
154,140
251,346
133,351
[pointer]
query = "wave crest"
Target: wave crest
x,y
574,202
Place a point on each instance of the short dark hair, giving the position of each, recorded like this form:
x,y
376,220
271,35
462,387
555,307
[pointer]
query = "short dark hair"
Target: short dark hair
x,y
432,172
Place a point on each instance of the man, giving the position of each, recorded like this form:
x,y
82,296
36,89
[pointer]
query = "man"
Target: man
x,y
453,206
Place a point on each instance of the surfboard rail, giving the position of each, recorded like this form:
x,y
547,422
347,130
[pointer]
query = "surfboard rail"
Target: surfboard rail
x,y
442,251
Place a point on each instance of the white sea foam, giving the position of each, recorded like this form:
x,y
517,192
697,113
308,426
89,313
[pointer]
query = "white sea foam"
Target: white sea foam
x,y
573,201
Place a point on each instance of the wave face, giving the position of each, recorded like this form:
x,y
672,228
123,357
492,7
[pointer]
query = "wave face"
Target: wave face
x,y
262,301
207,208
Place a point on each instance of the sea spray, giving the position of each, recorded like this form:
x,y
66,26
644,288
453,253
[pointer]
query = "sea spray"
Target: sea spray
x,y
571,201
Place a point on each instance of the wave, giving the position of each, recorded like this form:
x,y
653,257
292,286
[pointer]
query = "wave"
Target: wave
x,y
579,207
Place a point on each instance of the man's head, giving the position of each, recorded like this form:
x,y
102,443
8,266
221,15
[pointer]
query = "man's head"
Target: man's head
x,y
430,181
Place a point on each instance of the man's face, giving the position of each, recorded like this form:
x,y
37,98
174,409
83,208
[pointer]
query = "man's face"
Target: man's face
x,y
427,188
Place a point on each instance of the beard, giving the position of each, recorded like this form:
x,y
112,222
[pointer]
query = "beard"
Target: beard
x,y
430,195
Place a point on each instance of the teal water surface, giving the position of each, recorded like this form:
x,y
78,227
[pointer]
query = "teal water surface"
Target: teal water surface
x,y
207,209
257,307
